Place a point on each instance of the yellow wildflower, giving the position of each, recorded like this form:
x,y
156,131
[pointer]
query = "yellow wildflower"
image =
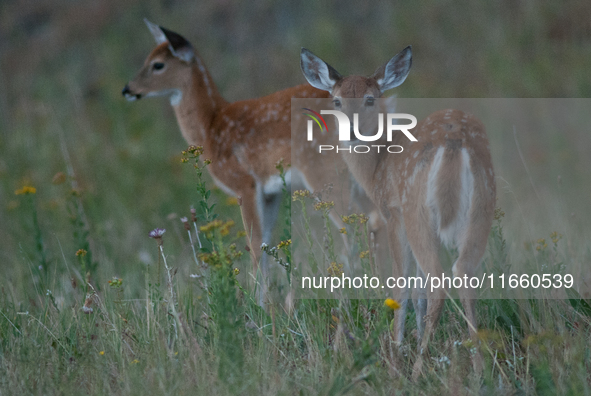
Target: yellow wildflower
x,y
225,230
392,304
343,230
81,253
349,219
211,226
283,244
353,218
26,190
324,205
499,214
555,237
209,258
101,353
195,150
335,269
541,244
299,195
236,271
364,254
224,227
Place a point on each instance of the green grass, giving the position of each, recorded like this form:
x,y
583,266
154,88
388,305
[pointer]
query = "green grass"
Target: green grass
x,y
61,72
156,330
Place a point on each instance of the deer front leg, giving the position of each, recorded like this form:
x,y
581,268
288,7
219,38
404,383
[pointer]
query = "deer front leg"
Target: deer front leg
x,y
401,256
268,208
252,226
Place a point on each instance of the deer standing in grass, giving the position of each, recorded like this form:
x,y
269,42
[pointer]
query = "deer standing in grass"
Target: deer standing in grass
x,y
441,188
244,139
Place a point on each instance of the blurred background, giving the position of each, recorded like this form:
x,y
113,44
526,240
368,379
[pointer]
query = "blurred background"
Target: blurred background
x,y
63,65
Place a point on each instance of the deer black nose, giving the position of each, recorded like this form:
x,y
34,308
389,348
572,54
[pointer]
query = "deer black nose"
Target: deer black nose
x,y
126,90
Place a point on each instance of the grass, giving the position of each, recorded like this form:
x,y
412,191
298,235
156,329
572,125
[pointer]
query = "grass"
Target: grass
x,y
161,331
107,172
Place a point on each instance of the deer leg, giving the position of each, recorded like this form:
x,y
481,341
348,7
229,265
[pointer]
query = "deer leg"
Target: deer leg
x,y
401,256
252,226
425,247
420,303
268,210
471,251
269,205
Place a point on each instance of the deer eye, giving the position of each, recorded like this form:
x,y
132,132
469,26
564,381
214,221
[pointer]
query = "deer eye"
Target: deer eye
x,y
158,66
369,101
336,103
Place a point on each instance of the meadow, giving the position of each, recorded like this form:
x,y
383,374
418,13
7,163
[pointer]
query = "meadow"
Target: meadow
x,y
91,304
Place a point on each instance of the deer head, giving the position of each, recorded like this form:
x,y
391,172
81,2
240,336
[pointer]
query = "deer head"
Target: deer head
x,y
167,70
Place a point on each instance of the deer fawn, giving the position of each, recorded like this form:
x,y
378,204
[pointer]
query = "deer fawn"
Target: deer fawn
x,y
439,189
244,139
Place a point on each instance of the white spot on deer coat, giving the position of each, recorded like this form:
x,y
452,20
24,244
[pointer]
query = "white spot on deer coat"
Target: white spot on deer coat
x,y
274,184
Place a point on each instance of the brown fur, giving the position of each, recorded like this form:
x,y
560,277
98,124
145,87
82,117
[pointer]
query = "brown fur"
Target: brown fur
x,y
398,185
245,139
356,87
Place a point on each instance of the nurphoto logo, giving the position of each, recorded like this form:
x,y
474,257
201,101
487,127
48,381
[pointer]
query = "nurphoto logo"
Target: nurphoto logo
x,y
345,129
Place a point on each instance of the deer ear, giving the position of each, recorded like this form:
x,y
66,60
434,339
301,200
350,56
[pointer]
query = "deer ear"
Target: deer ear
x,y
178,45
156,32
318,73
393,73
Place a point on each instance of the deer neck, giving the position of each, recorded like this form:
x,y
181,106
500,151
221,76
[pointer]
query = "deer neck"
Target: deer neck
x,y
362,167
198,104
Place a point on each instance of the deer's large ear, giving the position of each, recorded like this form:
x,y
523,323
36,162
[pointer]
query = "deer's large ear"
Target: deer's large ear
x,y
156,32
393,73
318,73
178,45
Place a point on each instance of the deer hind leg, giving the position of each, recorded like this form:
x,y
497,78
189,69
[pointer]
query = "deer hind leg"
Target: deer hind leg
x,y
472,250
425,245
419,300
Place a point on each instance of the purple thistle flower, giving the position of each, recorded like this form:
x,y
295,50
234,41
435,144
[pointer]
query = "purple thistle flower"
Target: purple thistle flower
x,y
157,233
